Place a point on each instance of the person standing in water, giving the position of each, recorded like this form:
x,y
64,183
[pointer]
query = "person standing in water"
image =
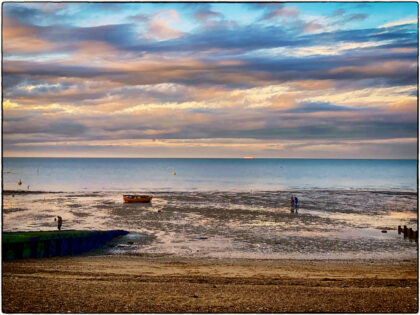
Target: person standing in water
x,y
59,222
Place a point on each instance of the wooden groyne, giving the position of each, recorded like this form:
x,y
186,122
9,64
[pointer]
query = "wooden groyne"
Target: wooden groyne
x,y
408,232
17,245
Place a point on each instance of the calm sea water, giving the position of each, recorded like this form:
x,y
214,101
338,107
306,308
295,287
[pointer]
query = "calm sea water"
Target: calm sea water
x,y
223,208
77,174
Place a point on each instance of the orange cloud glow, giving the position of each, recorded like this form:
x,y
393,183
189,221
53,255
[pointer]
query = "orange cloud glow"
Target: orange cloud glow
x,y
20,38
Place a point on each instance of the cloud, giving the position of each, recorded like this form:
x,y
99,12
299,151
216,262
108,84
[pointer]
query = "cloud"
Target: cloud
x,y
338,12
280,11
393,148
22,38
356,17
378,69
404,105
226,37
312,27
159,26
342,18
139,18
36,125
66,128
23,13
208,17
385,69
150,75
48,7
38,13
398,23
311,107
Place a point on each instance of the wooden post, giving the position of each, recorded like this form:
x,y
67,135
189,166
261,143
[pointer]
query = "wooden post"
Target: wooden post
x,y
410,233
399,229
405,231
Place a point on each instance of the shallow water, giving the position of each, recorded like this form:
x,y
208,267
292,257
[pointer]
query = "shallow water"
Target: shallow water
x,y
259,224
78,174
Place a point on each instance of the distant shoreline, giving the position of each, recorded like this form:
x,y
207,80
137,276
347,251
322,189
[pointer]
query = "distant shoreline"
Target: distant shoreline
x,y
207,158
25,192
393,192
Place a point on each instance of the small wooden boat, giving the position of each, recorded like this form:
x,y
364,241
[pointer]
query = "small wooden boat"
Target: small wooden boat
x,y
137,198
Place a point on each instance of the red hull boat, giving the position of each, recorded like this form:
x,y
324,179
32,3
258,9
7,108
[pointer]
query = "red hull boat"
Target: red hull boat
x,y
137,198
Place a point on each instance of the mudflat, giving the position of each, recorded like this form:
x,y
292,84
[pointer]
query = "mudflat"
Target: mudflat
x,y
168,284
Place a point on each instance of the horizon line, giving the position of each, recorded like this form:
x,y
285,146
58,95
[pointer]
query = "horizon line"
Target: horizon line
x,y
220,158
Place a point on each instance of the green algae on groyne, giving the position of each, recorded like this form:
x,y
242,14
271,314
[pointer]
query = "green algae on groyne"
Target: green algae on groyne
x,y
17,245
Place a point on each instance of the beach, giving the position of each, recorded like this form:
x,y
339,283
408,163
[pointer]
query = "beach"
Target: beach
x,y
165,283
196,249
220,252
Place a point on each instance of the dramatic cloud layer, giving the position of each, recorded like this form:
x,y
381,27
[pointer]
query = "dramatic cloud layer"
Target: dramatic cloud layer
x,y
210,79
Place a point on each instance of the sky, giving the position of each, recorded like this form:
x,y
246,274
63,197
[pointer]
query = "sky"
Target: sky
x,y
222,80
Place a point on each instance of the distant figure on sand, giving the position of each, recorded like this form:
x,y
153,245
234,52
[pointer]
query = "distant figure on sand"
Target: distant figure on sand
x,y
59,222
292,203
296,203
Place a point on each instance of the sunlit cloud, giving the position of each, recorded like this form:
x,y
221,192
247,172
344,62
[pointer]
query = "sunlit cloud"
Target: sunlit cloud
x,y
399,22
376,97
159,27
7,105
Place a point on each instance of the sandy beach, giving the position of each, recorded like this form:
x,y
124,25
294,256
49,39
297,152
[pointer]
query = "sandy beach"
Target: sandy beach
x,y
164,283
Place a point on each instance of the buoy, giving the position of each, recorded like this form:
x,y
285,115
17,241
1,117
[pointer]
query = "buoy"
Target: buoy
x,y
174,173
19,182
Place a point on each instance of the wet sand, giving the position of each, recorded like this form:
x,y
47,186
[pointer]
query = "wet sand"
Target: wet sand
x,y
162,284
223,224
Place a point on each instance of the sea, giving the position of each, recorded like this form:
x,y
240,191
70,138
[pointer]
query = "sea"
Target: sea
x,y
222,208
